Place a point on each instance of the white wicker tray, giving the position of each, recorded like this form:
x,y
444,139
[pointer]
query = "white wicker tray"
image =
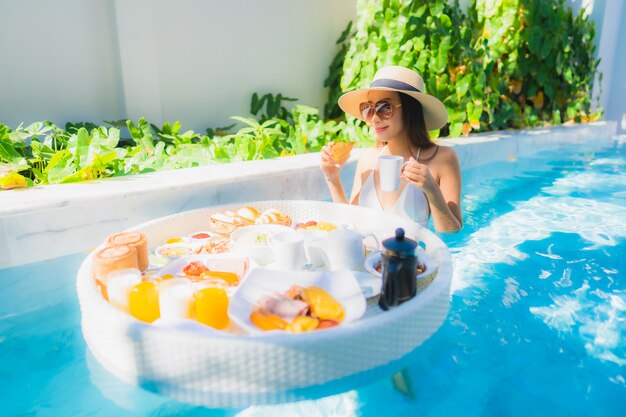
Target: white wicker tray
x,y
192,363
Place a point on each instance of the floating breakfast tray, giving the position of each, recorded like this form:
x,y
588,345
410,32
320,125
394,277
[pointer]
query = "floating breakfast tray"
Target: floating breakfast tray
x,y
195,363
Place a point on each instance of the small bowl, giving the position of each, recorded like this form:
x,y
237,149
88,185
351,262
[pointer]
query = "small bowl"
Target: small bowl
x,y
200,236
252,241
178,239
175,250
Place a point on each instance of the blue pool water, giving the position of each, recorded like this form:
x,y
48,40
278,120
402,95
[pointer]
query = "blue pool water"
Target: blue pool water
x,y
537,325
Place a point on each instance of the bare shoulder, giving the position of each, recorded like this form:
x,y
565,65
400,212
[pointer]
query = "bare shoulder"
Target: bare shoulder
x,y
445,164
447,156
447,151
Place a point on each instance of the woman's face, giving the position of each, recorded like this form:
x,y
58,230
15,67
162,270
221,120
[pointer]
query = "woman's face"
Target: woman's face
x,y
386,130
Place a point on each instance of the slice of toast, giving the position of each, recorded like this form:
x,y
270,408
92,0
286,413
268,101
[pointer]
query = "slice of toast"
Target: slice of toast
x,y
341,150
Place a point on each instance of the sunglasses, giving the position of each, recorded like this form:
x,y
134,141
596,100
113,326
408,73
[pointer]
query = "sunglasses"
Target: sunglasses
x,y
383,109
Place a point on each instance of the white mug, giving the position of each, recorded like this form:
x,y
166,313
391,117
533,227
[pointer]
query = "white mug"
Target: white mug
x,y
389,168
343,249
288,249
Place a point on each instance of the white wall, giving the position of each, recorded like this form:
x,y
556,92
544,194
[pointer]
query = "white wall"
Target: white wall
x,y
58,61
609,17
615,109
197,61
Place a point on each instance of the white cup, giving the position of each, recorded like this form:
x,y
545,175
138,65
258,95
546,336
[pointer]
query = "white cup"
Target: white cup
x,y
389,168
342,248
119,283
288,248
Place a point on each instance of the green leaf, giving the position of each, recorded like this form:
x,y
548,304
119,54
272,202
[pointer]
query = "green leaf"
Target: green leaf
x,y
42,151
463,84
445,21
81,151
455,129
8,152
436,7
14,180
247,121
60,166
256,104
158,149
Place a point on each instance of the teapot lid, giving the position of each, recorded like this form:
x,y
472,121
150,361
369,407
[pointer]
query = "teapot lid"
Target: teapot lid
x,y
400,245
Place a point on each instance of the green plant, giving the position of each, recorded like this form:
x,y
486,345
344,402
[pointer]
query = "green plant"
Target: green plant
x,y
335,72
431,37
539,59
509,64
274,108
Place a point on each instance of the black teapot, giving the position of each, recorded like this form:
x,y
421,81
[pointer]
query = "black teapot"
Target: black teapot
x,y
398,268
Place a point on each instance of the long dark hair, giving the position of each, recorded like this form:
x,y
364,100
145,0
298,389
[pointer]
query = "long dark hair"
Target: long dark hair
x,y
414,124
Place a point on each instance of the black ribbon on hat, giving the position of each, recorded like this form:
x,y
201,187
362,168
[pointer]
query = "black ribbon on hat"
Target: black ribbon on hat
x,y
389,83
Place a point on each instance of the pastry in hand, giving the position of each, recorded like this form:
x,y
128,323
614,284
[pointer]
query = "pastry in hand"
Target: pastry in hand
x,y
340,150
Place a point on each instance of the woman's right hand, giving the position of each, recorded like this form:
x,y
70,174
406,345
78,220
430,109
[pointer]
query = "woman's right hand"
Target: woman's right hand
x,y
328,165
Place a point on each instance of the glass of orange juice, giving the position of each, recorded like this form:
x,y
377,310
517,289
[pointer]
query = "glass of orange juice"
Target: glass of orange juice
x,y
212,307
144,301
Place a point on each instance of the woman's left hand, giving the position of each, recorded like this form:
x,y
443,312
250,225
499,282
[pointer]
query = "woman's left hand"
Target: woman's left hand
x,y
418,175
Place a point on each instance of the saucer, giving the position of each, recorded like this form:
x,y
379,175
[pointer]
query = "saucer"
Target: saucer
x,y
370,284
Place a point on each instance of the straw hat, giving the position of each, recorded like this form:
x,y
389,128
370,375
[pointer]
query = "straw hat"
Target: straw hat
x,y
402,80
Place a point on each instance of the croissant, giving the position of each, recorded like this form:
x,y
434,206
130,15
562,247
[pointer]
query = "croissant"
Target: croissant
x,y
341,150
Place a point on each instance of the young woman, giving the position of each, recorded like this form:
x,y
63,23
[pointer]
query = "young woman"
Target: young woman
x,y
400,114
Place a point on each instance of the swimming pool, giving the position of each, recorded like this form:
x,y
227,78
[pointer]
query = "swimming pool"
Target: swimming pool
x,y
537,324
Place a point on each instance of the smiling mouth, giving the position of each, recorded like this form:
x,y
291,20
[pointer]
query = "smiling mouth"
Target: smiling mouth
x,y
380,129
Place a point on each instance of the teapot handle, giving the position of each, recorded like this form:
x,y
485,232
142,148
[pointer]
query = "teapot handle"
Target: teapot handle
x,y
373,236
316,245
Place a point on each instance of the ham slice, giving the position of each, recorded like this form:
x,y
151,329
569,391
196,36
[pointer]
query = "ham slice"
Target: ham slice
x,y
282,306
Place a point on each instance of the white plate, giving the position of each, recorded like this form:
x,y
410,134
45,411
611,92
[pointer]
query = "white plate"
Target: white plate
x,y
342,285
422,257
226,262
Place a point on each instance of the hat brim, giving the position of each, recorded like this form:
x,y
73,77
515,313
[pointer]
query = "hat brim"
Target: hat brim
x,y
435,113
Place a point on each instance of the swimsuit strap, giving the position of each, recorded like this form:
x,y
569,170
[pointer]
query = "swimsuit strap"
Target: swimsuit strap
x,y
430,158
